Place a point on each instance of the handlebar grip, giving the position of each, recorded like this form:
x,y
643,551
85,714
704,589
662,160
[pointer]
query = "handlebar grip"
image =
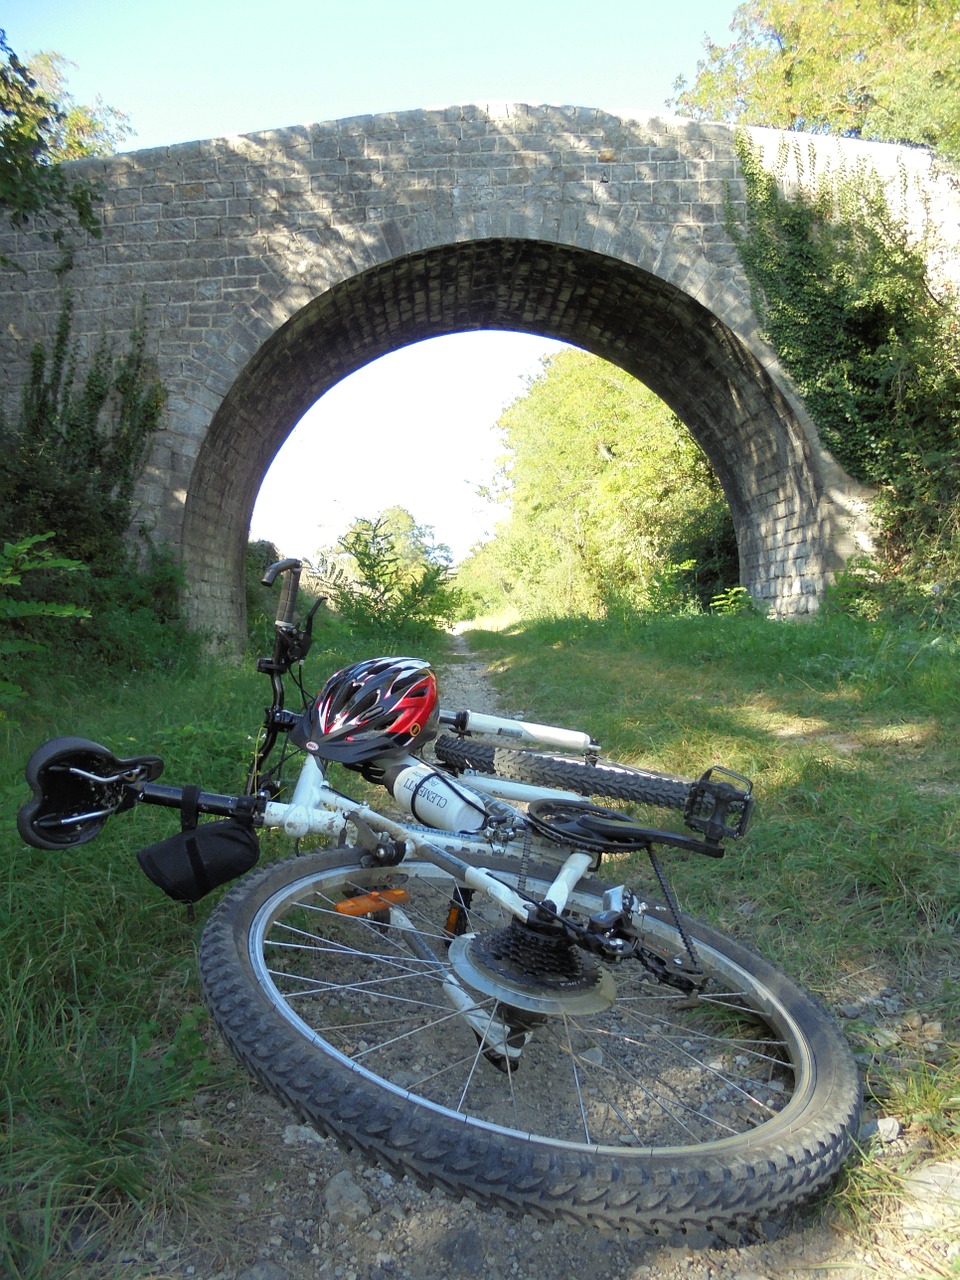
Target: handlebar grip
x,y
270,574
288,595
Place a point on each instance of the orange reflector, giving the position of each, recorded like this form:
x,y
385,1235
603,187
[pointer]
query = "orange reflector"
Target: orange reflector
x,y
456,918
367,903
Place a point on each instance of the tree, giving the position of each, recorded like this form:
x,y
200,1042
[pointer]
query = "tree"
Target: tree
x,y
77,131
414,543
886,70
36,132
388,579
608,494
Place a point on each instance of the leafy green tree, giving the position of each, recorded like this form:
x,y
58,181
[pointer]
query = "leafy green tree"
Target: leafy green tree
x,y
887,70
76,130
33,133
608,494
414,543
389,580
845,297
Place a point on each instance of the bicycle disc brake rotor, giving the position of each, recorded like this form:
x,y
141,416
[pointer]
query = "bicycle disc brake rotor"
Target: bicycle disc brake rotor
x,y
586,826
537,972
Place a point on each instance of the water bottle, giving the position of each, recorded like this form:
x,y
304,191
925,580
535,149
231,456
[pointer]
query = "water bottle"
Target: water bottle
x,y
435,799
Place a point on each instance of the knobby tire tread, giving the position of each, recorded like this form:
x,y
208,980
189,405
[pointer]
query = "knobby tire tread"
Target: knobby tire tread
x,y
639,1192
540,769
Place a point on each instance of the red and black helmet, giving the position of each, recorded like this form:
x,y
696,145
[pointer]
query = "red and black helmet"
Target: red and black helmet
x,y
370,709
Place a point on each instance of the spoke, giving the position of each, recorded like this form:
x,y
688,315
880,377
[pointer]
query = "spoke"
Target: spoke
x,y
419,1029
742,1045
406,964
366,989
404,961
510,1072
576,1078
620,1071
678,1039
384,932
454,1065
394,974
473,1064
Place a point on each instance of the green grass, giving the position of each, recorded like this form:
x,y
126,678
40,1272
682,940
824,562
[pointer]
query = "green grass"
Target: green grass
x,y
100,1023
848,878
102,1029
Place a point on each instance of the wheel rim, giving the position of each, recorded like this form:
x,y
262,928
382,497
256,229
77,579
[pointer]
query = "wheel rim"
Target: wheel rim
x,y
654,1071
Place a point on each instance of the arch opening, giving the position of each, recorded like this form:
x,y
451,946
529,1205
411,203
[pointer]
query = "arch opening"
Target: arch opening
x,y
650,328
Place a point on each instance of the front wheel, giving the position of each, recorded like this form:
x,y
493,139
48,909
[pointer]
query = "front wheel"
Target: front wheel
x,y
565,773
604,1096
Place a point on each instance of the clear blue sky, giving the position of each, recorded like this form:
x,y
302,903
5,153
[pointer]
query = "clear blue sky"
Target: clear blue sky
x,y
187,69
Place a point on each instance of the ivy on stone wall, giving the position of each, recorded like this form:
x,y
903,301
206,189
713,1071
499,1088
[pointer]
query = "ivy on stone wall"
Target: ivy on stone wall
x,y
72,458
845,299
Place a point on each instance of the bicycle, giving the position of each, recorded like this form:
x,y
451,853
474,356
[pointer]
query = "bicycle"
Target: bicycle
x,y
453,986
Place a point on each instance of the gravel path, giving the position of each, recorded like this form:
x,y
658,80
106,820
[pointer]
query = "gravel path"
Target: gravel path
x,y
287,1204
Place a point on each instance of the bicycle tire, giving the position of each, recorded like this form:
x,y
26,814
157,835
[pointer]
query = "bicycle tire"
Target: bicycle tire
x,y
305,1019
541,769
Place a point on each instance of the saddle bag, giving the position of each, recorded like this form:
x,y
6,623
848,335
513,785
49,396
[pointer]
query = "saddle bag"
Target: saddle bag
x,y
188,865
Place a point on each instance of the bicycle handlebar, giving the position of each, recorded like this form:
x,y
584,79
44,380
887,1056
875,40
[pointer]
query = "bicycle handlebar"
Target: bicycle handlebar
x,y
291,584
518,730
271,573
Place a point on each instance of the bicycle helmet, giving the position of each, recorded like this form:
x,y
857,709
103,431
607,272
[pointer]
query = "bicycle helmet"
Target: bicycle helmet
x,y
371,709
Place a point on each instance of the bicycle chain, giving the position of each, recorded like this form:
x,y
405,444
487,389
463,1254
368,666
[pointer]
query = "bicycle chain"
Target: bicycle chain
x,y
525,859
675,912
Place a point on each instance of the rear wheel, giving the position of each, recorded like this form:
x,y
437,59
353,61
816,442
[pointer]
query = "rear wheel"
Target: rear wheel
x,y
399,1012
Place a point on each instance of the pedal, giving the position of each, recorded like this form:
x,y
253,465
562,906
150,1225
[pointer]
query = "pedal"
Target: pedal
x,y
719,805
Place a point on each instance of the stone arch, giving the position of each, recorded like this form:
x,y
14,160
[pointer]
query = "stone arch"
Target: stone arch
x,y
269,266
771,474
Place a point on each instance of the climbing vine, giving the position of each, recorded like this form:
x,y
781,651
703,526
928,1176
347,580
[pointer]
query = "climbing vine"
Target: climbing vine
x,y
845,299
72,457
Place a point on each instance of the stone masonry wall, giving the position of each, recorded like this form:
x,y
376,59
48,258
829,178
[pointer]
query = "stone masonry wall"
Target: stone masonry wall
x,y
269,266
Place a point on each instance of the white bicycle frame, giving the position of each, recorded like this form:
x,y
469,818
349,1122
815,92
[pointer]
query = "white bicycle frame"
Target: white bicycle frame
x,y
316,808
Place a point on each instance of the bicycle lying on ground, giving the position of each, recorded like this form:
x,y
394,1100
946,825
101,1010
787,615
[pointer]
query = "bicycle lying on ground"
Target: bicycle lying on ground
x,y
455,986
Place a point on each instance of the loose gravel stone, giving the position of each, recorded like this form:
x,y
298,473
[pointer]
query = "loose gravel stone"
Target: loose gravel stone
x,y
345,1201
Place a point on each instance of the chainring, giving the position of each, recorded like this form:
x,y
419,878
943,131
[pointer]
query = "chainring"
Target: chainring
x,y
587,826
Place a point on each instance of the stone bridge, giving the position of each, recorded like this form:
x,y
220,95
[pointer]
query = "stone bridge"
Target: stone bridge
x,y
270,266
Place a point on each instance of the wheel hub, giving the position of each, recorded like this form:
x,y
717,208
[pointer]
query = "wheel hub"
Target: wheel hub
x,y
540,972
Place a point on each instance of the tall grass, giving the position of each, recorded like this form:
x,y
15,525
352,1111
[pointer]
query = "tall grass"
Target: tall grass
x,y
99,1008
102,1030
